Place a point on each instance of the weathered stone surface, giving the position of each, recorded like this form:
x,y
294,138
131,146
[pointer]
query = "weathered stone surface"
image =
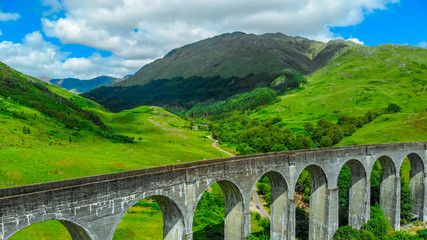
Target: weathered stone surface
x,y
92,207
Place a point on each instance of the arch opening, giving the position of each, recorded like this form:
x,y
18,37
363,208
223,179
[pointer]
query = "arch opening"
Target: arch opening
x,y
384,189
52,229
353,206
219,213
160,217
311,208
412,189
269,207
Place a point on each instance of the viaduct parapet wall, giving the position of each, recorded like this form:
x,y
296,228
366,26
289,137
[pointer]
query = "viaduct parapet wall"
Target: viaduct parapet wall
x,y
92,207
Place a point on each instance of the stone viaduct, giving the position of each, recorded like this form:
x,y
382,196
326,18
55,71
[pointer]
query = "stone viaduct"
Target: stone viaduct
x,y
92,207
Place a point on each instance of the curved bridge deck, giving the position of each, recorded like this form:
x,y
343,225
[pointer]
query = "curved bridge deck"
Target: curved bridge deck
x,y
92,207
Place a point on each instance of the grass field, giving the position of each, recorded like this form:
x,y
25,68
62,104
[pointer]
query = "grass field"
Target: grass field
x,y
358,80
161,138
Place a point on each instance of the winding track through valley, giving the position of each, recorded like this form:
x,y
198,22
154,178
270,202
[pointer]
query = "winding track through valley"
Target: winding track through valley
x,y
256,205
214,144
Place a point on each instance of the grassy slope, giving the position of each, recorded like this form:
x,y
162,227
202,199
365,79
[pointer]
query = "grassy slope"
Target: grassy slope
x,y
47,154
360,79
164,141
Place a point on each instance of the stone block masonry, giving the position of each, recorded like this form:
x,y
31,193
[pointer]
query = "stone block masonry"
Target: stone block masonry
x,y
92,207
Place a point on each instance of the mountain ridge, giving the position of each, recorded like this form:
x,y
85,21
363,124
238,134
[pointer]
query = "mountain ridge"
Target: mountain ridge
x,y
76,85
238,54
215,69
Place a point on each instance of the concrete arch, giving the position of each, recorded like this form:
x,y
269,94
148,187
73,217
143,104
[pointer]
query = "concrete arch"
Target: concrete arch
x,y
234,208
358,201
77,229
313,165
389,188
318,222
173,217
279,203
417,181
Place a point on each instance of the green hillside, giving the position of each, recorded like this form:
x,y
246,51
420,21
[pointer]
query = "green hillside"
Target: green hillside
x,y
238,54
49,134
215,69
62,135
361,79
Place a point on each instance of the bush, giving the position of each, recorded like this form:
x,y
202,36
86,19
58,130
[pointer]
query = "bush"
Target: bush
x,y
405,203
301,224
325,142
265,224
346,233
393,108
308,127
378,224
366,235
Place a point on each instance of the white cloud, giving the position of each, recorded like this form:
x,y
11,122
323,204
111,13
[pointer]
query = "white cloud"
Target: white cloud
x,y
355,40
139,31
37,57
164,24
9,16
54,5
422,44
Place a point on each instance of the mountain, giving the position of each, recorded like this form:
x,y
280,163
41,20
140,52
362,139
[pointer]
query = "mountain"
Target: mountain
x,y
216,68
44,78
25,97
127,76
238,54
357,80
80,86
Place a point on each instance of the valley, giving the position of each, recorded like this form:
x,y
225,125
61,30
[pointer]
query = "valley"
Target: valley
x,y
147,120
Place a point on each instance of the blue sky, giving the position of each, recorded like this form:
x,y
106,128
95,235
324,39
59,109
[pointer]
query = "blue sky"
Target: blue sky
x,y
84,39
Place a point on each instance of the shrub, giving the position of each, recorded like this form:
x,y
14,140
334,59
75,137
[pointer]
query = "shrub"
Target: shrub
x,y
393,108
346,233
325,142
301,224
378,224
308,127
366,235
265,224
405,203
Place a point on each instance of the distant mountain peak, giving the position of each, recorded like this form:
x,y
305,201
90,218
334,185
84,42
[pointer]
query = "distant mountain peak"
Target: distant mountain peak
x,y
238,54
216,68
76,85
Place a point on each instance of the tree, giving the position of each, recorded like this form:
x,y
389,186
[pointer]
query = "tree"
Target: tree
x,y
302,142
405,203
378,224
375,183
344,179
308,127
346,233
245,149
325,142
26,130
301,224
277,147
393,108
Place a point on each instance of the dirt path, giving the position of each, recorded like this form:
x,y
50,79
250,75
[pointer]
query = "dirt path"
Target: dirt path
x,y
256,205
214,144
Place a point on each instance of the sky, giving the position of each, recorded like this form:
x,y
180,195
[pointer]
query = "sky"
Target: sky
x,y
90,38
